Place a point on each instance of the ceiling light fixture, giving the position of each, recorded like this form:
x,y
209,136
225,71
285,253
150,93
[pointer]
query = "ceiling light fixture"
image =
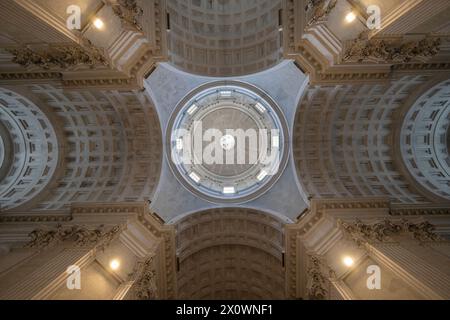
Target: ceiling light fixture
x,y
114,264
350,17
348,261
98,23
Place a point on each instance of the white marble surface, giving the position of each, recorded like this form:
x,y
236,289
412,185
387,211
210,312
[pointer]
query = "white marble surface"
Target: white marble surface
x,y
284,83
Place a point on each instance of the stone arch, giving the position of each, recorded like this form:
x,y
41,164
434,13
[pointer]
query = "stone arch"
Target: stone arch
x,y
224,37
31,149
230,253
112,147
422,139
344,141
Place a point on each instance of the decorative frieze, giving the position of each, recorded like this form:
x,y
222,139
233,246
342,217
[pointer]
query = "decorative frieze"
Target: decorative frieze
x,y
380,234
423,231
363,49
359,73
320,9
419,211
125,207
62,57
13,76
355,204
360,232
80,237
384,231
128,83
34,218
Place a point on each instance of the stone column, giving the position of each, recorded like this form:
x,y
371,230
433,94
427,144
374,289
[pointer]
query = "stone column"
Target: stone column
x,y
322,283
408,250
54,250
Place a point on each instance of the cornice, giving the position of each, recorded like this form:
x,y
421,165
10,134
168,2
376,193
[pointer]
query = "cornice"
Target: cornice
x,y
317,279
167,234
108,208
25,76
79,55
104,83
323,74
139,70
129,83
385,230
432,66
69,228
289,28
59,57
328,61
420,211
381,207
35,218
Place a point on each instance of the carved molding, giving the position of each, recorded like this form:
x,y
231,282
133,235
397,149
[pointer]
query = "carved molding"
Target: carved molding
x,y
423,231
34,218
418,211
391,51
321,10
55,60
309,220
317,281
369,204
29,76
435,66
384,231
122,83
337,63
129,13
360,232
78,235
101,208
62,57
168,264
144,277
325,75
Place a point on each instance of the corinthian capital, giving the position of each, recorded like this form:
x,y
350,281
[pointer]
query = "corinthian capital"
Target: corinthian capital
x,y
79,236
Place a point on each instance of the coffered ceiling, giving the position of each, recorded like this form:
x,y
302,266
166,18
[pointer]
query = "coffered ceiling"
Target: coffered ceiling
x,y
347,83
